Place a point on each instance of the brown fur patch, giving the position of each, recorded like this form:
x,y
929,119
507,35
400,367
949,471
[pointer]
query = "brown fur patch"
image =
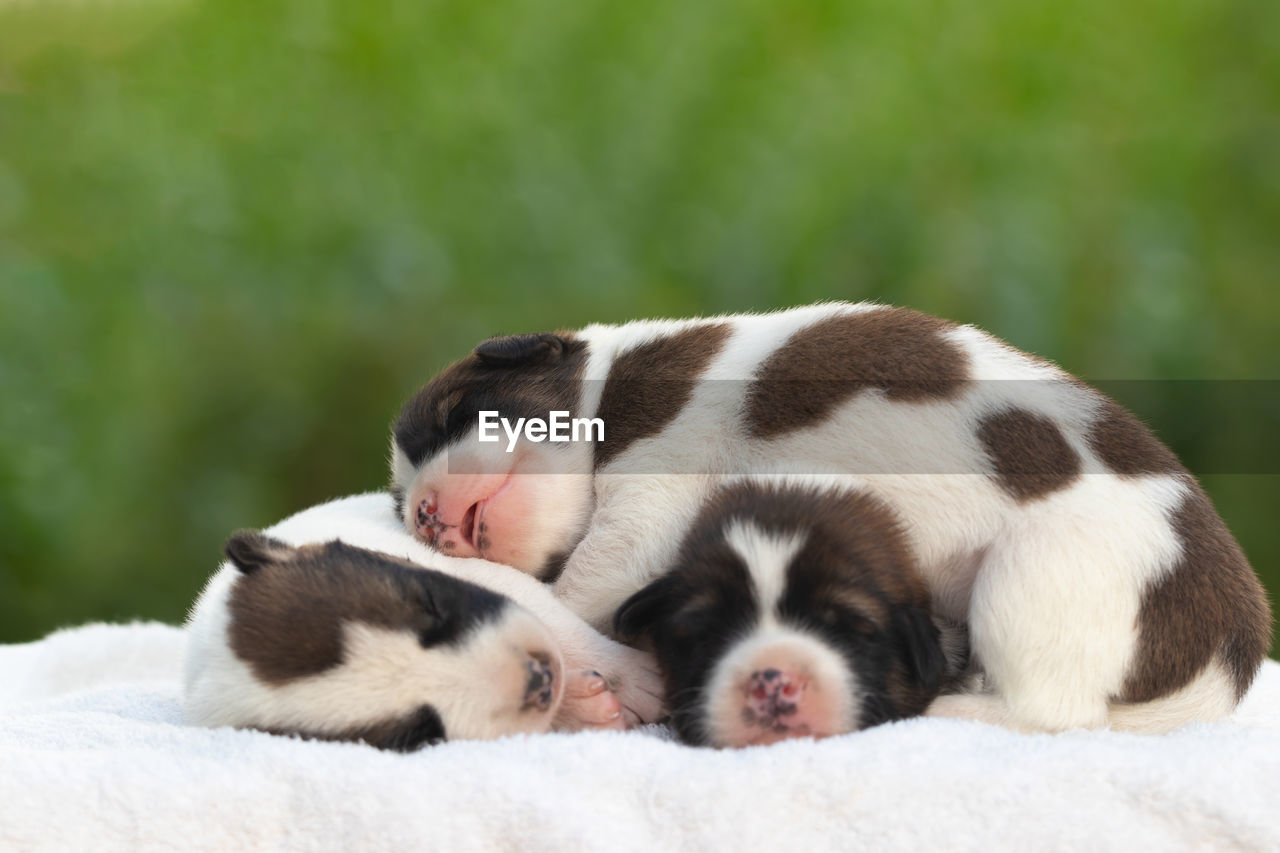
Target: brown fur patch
x,y
1210,604
899,351
1127,446
1031,457
649,385
286,618
287,610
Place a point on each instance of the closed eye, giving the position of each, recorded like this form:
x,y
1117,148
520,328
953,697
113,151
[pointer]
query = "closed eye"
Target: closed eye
x,y
843,619
689,621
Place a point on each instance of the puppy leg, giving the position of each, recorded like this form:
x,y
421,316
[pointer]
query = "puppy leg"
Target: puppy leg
x,y
629,542
982,707
588,703
1054,609
631,680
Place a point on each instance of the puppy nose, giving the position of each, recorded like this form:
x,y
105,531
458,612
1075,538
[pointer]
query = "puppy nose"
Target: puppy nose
x,y
539,687
773,695
427,524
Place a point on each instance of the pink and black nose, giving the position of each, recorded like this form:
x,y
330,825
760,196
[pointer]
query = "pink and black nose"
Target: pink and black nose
x,y
426,522
773,700
452,529
539,688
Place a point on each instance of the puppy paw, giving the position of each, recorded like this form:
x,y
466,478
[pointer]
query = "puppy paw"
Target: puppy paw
x,y
984,708
640,688
631,677
589,703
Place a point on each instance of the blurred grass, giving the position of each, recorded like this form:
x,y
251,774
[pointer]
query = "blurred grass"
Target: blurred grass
x,y
234,235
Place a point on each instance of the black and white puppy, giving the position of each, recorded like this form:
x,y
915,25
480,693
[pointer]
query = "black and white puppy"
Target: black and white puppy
x,y
1097,582
328,640
794,609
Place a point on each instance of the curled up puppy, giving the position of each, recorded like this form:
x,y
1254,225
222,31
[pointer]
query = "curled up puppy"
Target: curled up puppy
x,y
331,641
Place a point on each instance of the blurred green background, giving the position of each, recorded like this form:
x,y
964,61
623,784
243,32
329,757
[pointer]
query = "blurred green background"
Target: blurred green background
x,y
235,235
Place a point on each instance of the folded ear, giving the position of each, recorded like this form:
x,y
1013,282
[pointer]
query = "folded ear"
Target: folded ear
x,y
637,615
920,638
516,350
249,550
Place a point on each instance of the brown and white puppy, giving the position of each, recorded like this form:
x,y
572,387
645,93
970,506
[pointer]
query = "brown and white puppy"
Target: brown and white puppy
x,y
333,641
794,609
1097,582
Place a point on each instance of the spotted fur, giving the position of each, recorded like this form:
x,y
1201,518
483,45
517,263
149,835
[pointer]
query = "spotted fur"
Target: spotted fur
x,y
1096,582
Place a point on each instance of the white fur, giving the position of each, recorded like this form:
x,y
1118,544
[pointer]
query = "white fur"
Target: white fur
x,y
766,557
221,690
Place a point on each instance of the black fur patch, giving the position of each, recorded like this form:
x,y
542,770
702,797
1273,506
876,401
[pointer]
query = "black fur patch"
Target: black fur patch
x,y
520,350
249,550
397,501
517,376
421,728
853,583
554,567
286,616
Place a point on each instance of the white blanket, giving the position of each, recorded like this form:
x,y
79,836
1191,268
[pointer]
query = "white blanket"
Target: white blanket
x,y
94,755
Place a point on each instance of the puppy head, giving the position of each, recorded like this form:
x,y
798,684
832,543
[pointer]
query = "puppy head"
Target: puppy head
x,y
349,644
516,501
791,613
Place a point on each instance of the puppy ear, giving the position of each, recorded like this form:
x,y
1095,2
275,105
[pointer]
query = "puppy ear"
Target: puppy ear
x,y
249,550
920,639
517,350
637,615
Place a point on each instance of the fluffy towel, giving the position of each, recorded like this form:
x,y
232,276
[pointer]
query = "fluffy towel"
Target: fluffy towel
x,y
94,755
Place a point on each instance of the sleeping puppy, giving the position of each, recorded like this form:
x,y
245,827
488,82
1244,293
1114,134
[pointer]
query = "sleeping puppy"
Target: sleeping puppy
x,y
332,641
792,610
1097,582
